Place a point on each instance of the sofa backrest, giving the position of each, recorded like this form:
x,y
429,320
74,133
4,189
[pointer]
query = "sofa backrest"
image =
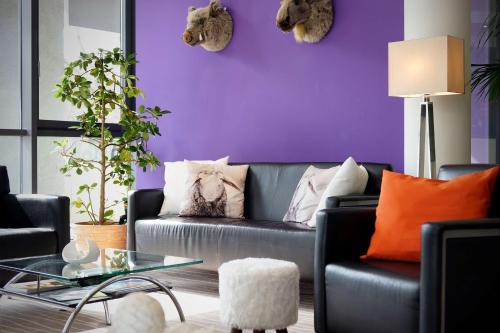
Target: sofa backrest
x,y
270,186
447,172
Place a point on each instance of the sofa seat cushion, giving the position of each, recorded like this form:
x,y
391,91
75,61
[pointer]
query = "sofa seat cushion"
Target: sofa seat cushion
x,y
27,242
372,296
218,240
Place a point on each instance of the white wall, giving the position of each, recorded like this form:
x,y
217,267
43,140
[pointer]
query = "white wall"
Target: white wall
x,y
428,18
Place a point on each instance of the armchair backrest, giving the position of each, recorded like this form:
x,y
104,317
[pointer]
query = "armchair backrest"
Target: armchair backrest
x,y
447,172
4,181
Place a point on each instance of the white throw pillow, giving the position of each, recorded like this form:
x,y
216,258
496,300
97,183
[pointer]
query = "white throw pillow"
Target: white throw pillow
x,y
350,179
175,184
214,190
308,193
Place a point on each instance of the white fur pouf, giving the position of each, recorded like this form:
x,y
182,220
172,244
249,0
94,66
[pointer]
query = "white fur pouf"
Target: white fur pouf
x,y
259,293
138,313
141,313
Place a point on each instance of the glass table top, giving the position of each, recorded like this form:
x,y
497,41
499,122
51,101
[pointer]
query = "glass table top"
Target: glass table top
x,y
111,262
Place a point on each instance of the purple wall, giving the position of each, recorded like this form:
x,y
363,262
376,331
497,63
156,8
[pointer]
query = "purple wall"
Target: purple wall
x,y
267,98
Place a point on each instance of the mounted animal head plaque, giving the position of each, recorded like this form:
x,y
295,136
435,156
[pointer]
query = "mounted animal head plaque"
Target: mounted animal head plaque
x,y
210,27
310,20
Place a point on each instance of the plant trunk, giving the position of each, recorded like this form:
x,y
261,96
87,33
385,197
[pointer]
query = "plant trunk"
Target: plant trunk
x,y
102,192
102,184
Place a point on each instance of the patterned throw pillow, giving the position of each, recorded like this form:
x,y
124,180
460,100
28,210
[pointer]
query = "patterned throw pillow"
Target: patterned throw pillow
x,y
308,193
350,179
175,180
214,190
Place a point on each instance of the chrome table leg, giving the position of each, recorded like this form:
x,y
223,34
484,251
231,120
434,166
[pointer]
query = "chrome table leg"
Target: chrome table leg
x,y
106,283
16,278
106,313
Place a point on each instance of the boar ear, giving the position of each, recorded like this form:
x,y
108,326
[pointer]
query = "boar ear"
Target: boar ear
x,y
191,8
214,7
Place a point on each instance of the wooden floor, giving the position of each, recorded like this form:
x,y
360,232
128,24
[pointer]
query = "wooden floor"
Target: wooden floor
x,y
196,290
207,283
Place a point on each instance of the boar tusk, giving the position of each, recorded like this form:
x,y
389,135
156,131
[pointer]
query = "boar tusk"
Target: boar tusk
x,y
201,37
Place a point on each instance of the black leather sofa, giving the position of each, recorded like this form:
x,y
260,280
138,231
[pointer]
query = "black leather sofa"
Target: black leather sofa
x,y
33,224
268,191
455,288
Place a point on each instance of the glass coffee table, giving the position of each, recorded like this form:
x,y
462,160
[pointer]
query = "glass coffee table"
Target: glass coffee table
x,y
114,275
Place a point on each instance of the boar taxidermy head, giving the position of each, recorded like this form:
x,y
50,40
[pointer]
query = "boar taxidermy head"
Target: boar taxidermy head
x,y
310,20
210,27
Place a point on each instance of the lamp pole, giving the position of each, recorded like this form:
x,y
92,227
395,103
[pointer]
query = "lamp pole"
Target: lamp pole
x,y
426,133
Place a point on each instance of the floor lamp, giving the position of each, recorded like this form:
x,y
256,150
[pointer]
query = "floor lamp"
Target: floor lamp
x,y
424,68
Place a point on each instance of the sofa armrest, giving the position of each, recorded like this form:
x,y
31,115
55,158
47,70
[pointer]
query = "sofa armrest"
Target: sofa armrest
x,y
341,234
141,203
48,211
459,275
363,200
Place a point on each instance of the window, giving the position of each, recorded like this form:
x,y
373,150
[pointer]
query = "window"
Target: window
x,y
10,66
38,38
50,180
68,27
10,146
10,91
485,119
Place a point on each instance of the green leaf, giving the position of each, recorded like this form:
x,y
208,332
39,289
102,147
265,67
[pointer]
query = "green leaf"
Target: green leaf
x,y
108,213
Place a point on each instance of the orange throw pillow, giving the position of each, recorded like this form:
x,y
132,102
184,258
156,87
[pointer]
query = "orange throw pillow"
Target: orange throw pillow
x,y
407,202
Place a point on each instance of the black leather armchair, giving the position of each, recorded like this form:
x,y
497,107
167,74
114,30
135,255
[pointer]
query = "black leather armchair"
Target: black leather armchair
x,y
455,288
31,224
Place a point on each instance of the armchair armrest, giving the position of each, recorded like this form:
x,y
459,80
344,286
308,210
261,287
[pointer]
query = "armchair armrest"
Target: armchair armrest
x,y
48,211
363,200
141,203
341,233
459,276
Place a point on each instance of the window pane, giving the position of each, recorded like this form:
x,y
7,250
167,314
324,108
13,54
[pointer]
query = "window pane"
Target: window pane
x,y
10,156
52,181
10,72
68,27
485,121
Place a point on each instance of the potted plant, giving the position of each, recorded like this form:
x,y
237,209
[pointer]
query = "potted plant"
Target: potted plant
x,y
99,84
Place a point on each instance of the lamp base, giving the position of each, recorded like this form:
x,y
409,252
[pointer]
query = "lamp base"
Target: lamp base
x,y
426,133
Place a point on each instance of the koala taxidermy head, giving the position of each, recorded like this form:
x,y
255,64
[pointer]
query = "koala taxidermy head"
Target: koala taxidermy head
x,y
310,20
210,27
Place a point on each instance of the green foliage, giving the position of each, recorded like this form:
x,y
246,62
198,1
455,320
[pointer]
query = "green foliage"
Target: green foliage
x,y
485,80
98,84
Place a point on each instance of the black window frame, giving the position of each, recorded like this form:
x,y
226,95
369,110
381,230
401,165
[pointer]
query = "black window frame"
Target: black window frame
x,y
32,126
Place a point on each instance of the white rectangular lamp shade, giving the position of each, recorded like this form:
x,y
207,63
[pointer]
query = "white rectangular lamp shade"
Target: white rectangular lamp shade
x,y
429,66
